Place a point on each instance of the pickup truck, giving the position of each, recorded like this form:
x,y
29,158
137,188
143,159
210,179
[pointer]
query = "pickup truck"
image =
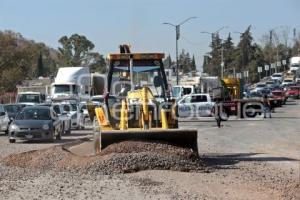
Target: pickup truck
x,y
195,105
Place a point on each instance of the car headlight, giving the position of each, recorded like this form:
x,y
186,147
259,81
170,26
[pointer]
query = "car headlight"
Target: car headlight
x,y
74,116
14,127
45,127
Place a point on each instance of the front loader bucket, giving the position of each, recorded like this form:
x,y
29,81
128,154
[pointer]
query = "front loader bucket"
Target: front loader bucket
x,y
186,138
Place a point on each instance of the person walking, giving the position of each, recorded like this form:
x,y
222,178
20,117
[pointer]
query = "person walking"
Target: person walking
x,y
266,106
218,113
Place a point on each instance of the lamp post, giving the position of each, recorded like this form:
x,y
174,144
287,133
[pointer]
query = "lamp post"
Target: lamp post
x,y
222,48
177,29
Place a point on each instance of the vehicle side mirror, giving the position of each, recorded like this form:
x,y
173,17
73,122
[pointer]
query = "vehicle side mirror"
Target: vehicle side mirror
x,y
2,113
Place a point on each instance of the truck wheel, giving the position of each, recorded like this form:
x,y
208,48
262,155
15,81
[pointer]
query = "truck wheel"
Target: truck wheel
x,y
251,113
68,132
12,140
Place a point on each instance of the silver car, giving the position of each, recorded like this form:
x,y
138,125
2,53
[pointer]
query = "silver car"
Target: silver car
x,y
4,120
35,123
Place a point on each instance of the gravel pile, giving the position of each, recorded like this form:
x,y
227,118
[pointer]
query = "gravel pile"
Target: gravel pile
x,y
124,157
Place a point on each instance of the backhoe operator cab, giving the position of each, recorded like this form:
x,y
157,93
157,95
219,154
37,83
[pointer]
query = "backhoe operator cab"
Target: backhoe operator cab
x,y
126,80
147,70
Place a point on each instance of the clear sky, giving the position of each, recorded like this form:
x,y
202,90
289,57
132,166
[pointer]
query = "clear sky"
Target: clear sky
x,y
108,23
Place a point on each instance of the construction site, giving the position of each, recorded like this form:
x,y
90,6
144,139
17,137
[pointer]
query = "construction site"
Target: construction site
x,y
136,146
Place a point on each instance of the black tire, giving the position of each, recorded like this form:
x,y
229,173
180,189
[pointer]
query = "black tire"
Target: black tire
x,y
6,132
12,140
251,114
68,132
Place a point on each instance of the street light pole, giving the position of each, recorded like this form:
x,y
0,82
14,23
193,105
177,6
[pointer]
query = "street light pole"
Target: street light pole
x,y
177,29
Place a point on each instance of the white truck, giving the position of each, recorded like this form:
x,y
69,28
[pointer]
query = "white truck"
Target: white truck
x,y
30,98
195,105
294,64
32,92
71,83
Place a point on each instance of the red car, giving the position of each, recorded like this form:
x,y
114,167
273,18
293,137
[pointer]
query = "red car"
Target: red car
x,y
293,91
279,97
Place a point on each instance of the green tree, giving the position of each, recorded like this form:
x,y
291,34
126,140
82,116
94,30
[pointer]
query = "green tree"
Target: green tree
x,y
212,63
193,64
75,50
168,62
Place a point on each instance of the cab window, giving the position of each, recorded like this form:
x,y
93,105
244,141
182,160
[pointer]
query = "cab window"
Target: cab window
x,y
199,98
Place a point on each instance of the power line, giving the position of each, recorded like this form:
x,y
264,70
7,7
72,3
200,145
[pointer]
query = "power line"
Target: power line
x,y
191,42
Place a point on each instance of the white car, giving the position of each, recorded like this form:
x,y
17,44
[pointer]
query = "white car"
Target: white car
x,y
287,82
259,87
4,120
73,111
84,111
195,105
277,76
64,117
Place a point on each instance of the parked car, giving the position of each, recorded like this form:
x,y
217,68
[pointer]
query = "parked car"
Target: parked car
x,y
195,105
63,116
13,109
4,120
293,92
35,123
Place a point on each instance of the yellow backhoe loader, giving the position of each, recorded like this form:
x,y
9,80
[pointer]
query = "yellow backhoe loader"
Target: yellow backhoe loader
x,y
137,103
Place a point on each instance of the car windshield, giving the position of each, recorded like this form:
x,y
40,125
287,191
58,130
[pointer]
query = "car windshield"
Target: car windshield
x,y
145,72
98,99
176,91
187,91
65,89
288,81
34,114
2,108
13,108
277,75
261,85
29,98
277,93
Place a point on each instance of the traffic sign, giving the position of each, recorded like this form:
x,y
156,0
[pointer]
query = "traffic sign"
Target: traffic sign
x,y
267,67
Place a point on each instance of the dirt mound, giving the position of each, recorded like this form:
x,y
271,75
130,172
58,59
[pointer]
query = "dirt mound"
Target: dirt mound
x,y
122,157
292,192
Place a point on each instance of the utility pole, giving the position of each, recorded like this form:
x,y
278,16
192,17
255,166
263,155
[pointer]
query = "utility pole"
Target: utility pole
x,y
177,29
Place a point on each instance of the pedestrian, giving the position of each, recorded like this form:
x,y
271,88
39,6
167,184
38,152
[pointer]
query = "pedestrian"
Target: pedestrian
x,y
266,106
218,113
